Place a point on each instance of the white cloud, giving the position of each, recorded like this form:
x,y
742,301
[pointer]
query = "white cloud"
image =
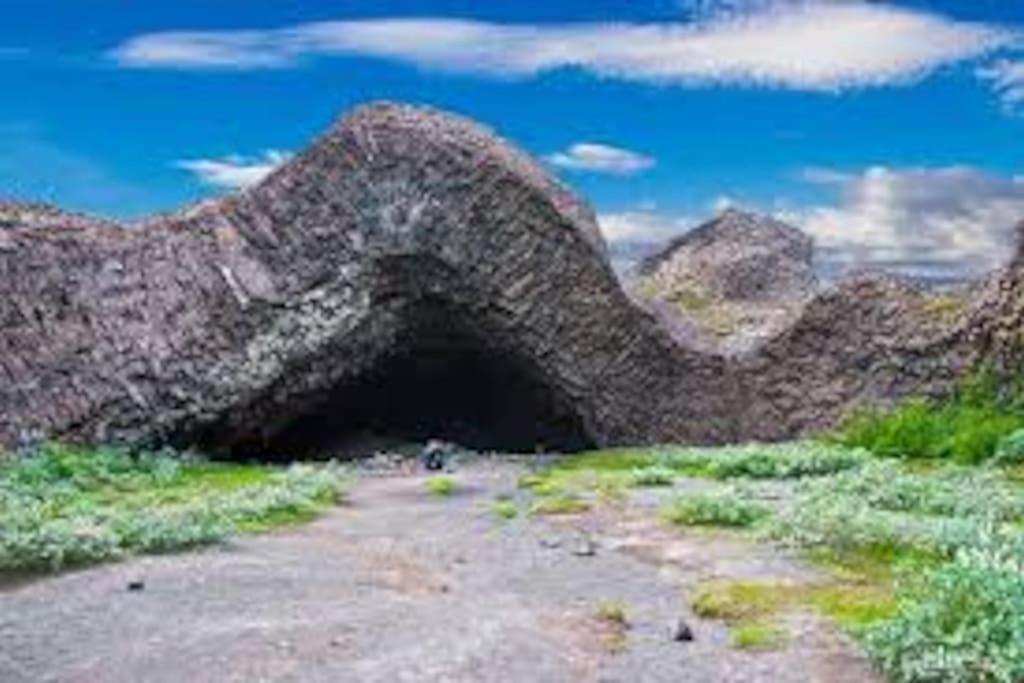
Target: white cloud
x,y
1007,78
940,224
950,222
234,172
641,227
597,158
814,47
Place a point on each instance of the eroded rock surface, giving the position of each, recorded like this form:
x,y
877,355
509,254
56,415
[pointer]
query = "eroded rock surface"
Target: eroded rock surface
x,y
734,281
411,270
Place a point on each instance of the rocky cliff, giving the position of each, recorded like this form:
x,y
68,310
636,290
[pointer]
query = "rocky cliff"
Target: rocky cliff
x,y
413,271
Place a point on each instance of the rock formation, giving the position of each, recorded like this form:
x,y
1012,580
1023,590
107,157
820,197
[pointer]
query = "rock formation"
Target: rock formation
x,y
413,272
735,281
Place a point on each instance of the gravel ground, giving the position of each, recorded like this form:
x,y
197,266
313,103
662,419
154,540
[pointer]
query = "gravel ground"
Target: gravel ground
x,y
399,585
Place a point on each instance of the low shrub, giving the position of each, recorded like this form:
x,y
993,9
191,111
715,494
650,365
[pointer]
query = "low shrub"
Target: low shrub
x,y
560,505
725,509
968,426
442,487
654,475
61,507
505,509
963,622
765,461
759,637
1010,450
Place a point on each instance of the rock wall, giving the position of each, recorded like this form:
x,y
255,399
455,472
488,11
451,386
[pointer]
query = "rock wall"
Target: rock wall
x,y
398,229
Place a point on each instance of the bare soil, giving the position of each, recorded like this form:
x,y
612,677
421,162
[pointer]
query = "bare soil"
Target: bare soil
x,y
400,585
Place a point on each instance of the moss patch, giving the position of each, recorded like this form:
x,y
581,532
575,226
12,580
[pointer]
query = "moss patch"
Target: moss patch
x,y
560,505
760,637
442,487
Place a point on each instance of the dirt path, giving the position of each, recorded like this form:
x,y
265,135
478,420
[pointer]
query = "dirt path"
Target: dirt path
x,y
402,586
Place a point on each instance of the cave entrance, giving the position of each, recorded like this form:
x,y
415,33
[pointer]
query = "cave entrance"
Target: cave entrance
x,y
446,385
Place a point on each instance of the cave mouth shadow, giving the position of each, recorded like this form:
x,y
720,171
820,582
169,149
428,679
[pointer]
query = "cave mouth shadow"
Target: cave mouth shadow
x,y
446,386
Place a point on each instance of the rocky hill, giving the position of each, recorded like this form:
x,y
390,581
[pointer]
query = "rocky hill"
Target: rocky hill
x,y
732,282
412,272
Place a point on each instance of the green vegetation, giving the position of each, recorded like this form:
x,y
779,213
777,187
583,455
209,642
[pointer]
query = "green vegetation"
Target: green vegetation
x,y
924,548
742,601
613,611
653,475
963,621
954,535
560,505
969,427
758,637
606,470
442,487
613,616
749,607
765,461
66,506
943,308
505,509
723,509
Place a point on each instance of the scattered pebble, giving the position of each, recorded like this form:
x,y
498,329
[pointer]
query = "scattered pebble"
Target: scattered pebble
x,y
551,543
585,548
681,631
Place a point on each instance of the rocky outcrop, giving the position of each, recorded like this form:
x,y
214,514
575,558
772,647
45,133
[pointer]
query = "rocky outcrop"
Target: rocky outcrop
x,y
409,267
732,282
411,271
738,256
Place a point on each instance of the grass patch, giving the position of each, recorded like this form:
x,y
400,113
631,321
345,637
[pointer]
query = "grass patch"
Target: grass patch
x,y
613,618
725,509
68,506
760,637
652,476
613,612
742,601
854,604
442,487
505,509
560,505
764,461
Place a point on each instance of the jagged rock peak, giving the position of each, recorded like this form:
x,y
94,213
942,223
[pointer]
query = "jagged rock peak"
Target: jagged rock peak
x,y
739,256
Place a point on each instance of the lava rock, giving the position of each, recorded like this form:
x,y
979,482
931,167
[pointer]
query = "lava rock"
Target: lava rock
x,y
681,631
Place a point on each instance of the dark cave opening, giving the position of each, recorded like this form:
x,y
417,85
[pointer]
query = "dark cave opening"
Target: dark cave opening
x,y
446,386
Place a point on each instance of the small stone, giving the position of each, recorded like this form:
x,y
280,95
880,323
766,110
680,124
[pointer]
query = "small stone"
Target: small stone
x,y
136,586
550,543
585,548
681,631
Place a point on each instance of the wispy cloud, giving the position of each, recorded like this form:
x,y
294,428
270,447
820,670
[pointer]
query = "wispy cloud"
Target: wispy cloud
x,y
945,222
234,172
1007,79
812,47
598,158
936,223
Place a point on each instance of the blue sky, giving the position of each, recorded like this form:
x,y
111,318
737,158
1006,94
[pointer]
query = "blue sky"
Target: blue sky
x,y
890,131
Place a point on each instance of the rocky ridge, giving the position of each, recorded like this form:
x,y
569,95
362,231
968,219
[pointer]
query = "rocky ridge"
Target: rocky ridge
x,y
403,235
